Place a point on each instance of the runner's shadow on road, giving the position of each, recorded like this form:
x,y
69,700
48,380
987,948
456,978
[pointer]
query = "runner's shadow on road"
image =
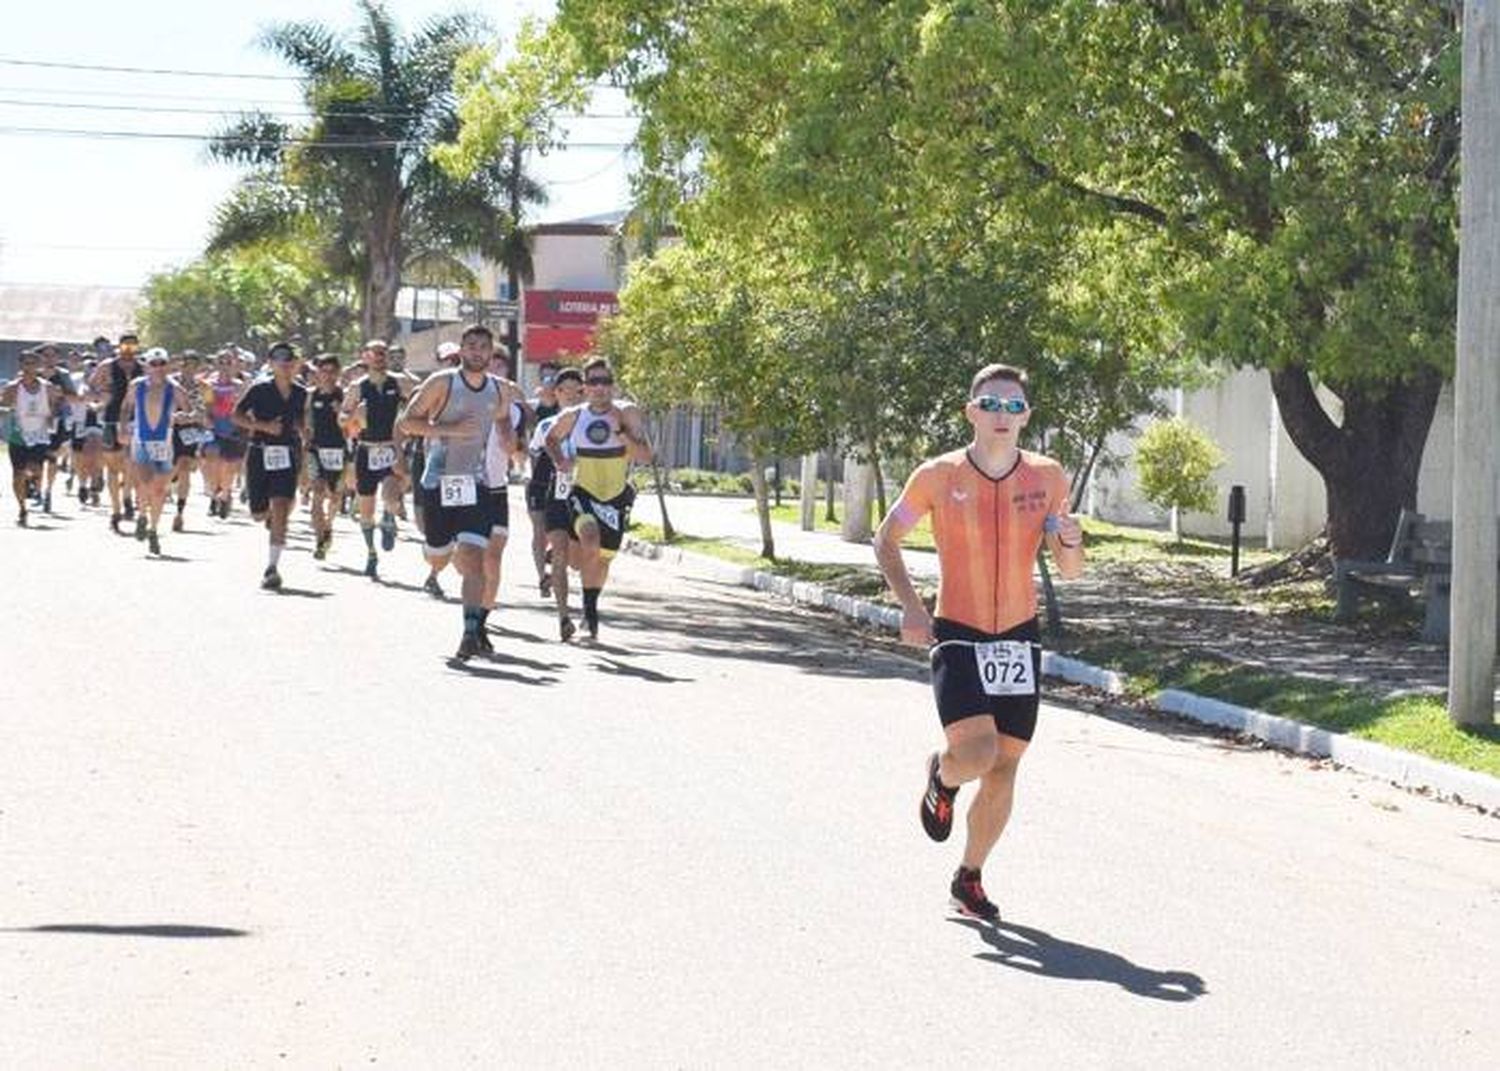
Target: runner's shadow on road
x,y
512,634
302,593
1034,951
166,558
490,673
501,658
177,930
615,667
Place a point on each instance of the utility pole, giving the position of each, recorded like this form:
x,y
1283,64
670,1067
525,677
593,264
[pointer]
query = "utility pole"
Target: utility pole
x,y
1476,388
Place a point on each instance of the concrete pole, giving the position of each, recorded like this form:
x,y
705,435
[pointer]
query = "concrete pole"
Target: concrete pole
x,y
810,491
1476,389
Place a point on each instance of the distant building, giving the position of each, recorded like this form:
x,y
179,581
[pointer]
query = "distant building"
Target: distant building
x,y
68,315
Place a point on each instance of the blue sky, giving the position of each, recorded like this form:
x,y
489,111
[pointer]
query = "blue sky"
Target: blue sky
x,y
102,211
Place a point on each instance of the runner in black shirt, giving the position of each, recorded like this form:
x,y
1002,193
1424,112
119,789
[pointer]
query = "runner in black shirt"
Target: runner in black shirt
x,y
274,412
325,451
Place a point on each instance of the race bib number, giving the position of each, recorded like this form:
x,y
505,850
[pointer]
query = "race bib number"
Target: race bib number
x,y
158,449
36,438
330,459
380,457
277,458
562,485
608,516
458,491
191,436
1005,667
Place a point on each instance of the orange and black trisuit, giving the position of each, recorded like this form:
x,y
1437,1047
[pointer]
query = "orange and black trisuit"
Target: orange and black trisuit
x,y
987,531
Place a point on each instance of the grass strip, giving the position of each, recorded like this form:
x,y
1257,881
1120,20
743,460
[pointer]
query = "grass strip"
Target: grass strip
x,y
1419,724
1416,723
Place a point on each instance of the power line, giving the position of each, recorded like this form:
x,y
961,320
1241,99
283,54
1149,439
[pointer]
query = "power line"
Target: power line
x,y
364,143
9,62
342,111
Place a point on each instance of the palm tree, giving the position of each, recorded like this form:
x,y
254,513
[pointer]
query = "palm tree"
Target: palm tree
x,y
360,175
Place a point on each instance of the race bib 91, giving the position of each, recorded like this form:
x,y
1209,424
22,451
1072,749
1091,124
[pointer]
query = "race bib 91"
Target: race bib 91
x,y
380,457
458,491
1005,667
278,458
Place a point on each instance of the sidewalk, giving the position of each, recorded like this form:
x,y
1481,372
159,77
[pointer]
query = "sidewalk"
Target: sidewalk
x,y
1103,599
1166,616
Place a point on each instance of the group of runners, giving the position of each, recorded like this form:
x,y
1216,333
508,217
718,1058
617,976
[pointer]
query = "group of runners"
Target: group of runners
x,y
138,426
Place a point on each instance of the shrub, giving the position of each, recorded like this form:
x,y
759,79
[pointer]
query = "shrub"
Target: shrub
x,y
1176,461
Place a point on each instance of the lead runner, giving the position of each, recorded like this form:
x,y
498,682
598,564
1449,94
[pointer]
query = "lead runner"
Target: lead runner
x,y
992,506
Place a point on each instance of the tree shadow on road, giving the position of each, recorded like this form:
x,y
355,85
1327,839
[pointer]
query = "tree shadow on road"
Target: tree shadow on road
x,y
717,627
1034,951
162,929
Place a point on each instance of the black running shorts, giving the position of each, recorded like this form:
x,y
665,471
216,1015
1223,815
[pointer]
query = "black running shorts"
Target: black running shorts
x,y
499,510
958,686
444,525
262,486
613,516
367,480
538,494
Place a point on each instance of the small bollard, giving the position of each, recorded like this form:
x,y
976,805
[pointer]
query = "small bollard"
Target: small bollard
x,y
1236,518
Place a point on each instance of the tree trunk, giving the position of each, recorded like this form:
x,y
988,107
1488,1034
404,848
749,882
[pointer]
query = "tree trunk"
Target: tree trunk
x,y
879,482
830,492
668,532
384,237
1370,463
762,506
1081,481
1049,597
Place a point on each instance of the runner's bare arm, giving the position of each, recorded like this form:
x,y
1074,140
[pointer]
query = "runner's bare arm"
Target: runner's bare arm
x,y
555,438
1064,535
633,427
420,413
911,507
8,395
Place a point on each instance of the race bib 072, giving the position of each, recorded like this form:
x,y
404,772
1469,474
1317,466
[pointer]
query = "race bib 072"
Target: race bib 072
x,y
1005,667
277,458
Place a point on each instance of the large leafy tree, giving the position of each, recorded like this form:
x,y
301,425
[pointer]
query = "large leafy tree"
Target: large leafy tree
x,y
362,168
250,296
1289,167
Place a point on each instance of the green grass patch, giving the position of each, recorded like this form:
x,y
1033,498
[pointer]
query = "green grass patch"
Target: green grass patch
x,y
1419,724
862,581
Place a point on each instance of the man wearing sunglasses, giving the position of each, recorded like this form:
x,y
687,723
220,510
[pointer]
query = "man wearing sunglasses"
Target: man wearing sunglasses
x,y
606,435
992,506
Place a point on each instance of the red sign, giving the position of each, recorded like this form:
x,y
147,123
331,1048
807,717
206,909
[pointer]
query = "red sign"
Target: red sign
x,y
554,343
565,307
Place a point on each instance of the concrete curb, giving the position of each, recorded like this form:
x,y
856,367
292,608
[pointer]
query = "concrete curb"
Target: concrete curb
x,y
1398,767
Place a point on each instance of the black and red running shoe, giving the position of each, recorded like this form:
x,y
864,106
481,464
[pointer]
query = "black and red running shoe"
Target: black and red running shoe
x,y
937,803
968,896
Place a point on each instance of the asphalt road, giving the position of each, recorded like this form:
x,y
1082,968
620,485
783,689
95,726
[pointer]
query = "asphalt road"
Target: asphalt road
x,y
249,830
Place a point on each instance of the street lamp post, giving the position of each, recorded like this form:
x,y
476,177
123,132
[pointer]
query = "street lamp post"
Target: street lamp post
x,y
1476,389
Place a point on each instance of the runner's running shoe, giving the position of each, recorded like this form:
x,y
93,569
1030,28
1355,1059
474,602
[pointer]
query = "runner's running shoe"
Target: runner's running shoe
x,y
388,533
271,581
468,647
968,896
432,587
937,803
